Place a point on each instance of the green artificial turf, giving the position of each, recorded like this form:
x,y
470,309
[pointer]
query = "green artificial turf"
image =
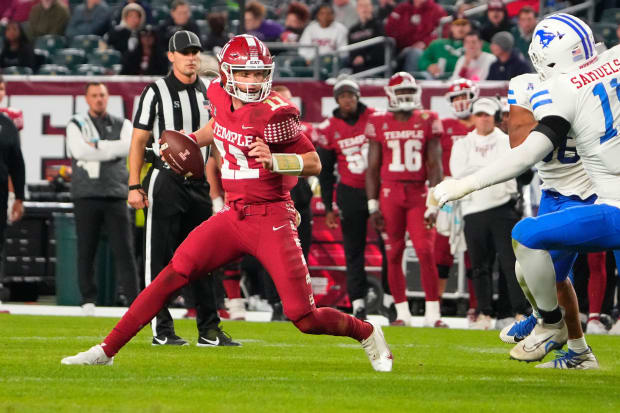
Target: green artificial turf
x,y
279,369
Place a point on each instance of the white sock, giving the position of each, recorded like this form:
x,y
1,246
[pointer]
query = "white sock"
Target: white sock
x,y
388,300
578,345
539,274
358,303
595,316
431,311
402,311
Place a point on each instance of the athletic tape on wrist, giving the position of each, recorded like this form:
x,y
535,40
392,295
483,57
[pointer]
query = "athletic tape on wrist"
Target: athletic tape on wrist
x,y
373,206
287,163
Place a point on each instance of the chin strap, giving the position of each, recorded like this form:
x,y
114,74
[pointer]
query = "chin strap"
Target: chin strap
x,y
287,163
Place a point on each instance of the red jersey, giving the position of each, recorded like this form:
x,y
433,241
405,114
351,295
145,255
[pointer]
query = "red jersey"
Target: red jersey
x,y
453,130
350,144
276,121
16,115
403,143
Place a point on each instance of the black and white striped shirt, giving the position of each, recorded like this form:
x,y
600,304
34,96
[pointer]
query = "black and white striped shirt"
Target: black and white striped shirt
x,y
170,104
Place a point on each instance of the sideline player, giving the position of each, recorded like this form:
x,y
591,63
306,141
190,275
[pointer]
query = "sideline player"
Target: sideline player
x,y
460,96
579,99
404,152
565,184
249,122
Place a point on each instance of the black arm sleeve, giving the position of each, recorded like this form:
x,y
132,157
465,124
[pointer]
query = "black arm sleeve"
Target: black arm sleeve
x,y
525,178
555,128
16,166
326,177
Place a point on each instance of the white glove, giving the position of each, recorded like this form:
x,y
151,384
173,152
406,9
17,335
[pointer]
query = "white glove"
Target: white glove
x,y
452,189
218,204
10,203
430,210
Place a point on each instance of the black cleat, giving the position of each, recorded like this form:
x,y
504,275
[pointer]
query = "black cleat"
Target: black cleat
x,y
388,312
361,314
278,313
216,337
172,340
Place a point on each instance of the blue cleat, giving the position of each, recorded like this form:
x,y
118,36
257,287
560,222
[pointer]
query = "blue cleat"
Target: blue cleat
x,y
571,360
518,330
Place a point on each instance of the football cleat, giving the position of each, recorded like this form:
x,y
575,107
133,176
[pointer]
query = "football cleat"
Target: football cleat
x,y
95,356
398,323
518,330
483,322
571,360
377,350
172,340
361,314
543,339
435,324
277,314
388,312
615,330
216,337
595,326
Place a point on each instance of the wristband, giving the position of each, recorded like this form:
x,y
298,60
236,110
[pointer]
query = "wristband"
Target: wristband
x,y
136,186
218,204
373,206
193,136
287,163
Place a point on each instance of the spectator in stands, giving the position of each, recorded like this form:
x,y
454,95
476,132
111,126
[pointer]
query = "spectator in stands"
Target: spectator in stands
x,y
148,11
98,144
412,24
524,30
367,27
17,49
48,17
345,13
218,36
146,58
459,13
509,61
385,9
324,32
16,10
266,30
180,19
92,17
475,63
497,20
297,16
125,36
441,55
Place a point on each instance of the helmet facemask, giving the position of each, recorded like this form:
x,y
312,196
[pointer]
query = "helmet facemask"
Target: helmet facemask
x,y
400,100
241,90
461,107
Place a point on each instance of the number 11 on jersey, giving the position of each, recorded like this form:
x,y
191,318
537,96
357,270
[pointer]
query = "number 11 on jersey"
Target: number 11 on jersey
x,y
600,91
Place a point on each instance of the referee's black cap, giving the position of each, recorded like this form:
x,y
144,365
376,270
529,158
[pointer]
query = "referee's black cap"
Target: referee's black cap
x,y
184,39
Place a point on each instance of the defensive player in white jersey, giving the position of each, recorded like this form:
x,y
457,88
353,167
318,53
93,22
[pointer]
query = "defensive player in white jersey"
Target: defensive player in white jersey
x,y
582,100
565,184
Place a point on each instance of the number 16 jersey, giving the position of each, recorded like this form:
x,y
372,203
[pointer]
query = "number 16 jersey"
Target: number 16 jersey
x,y
403,143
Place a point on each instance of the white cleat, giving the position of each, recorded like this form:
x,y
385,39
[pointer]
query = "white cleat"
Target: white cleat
x,y
483,322
615,330
571,360
596,327
377,350
92,357
543,339
88,310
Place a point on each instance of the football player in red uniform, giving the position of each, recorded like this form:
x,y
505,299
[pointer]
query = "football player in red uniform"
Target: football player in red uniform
x,y
343,144
256,132
461,94
404,152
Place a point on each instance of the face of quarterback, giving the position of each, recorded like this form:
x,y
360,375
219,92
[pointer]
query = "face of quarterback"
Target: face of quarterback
x,y
347,102
484,123
249,81
97,99
186,61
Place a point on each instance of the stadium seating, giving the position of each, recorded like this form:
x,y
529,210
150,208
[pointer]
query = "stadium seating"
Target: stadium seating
x,y
70,58
611,16
51,43
17,70
106,58
88,42
605,32
54,70
90,70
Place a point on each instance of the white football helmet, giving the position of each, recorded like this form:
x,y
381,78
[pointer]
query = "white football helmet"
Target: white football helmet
x,y
460,88
561,43
397,101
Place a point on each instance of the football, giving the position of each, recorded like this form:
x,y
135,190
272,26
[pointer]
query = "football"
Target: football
x,y
182,154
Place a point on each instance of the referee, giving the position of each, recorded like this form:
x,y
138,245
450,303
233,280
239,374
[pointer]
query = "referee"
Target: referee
x,y
176,205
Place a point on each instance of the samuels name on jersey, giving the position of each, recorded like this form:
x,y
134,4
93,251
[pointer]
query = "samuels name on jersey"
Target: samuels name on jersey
x,y
274,120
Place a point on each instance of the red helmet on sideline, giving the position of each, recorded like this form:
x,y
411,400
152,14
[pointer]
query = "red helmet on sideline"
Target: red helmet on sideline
x,y
462,87
403,81
245,52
